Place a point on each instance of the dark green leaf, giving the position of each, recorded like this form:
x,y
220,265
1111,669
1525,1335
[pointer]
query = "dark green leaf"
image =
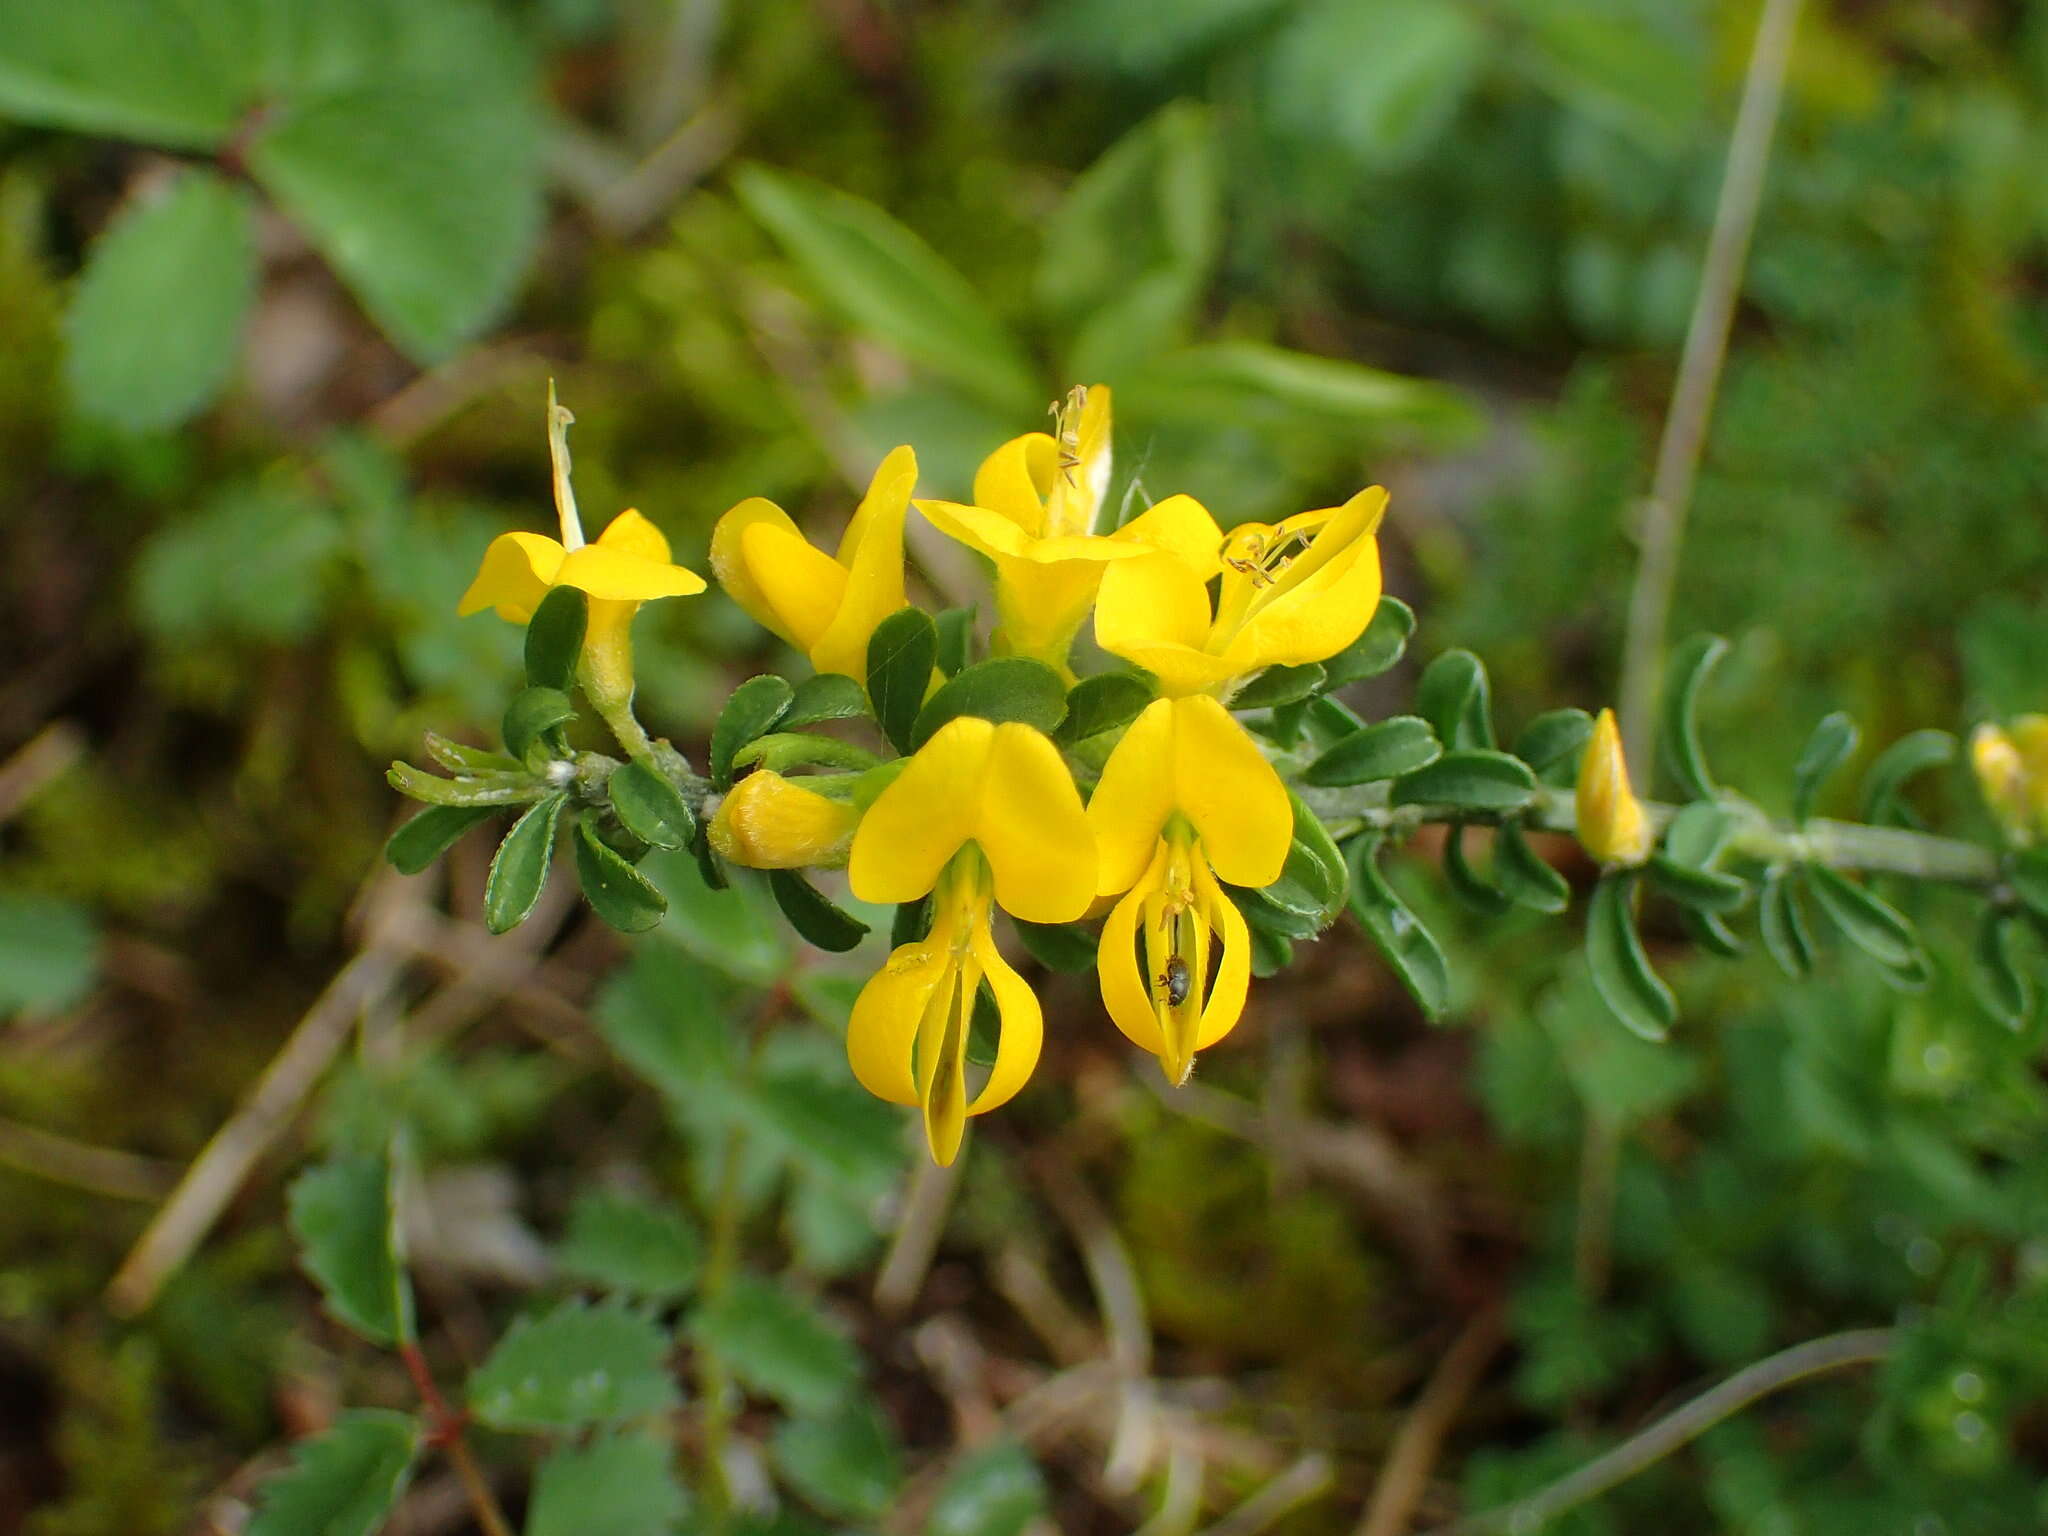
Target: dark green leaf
x,y
1709,932
346,1225
844,1460
554,637
2027,870
1058,946
629,1478
824,696
520,867
1867,921
1679,741
996,1491
780,751
1408,946
1279,685
901,654
956,635
1782,923
1621,971
575,1365
155,324
1315,862
1830,746
912,922
1383,751
1284,907
1464,881
1468,781
2001,986
1453,696
1523,877
1911,754
778,1344
1379,82
1707,889
342,1482
754,709
1272,952
616,891
1102,703
533,718
1697,834
432,833
631,1246
1006,688
1375,651
812,915
649,805
1555,739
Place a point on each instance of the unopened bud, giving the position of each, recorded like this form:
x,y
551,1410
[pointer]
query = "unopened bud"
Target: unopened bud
x,y
2003,778
769,822
1613,826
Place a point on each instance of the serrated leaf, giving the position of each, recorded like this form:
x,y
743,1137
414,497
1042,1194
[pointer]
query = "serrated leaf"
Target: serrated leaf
x,y
1833,740
155,324
554,637
1102,703
830,1127
845,1461
824,696
1910,755
2000,985
778,1344
432,833
1279,685
1468,781
520,867
1621,970
996,1491
886,281
630,1478
1554,738
1523,877
342,1482
1407,944
649,805
1783,925
754,709
49,953
814,915
532,715
631,1246
616,891
1065,947
1453,696
574,1365
1679,742
1869,922
901,654
1007,688
344,1220
1386,750
1376,651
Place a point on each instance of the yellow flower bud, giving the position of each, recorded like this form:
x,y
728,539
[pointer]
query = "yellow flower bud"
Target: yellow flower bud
x,y
1613,826
2004,779
769,822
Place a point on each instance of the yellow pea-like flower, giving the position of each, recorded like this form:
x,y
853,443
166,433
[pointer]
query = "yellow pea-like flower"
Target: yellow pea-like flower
x,y
1291,592
1037,500
1185,798
2011,768
627,566
770,822
1612,824
982,816
827,606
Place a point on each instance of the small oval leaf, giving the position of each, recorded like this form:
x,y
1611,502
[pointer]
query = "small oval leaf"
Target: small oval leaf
x,y
649,806
520,868
432,833
1465,882
1833,741
1782,922
1453,696
1408,946
1279,685
616,891
1873,925
1382,751
1910,755
534,718
1102,703
824,696
1523,877
811,914
1707,889
955,628
1555,739
1375,651
901,654
554,638
1691,661
1709,932
753,710
1468,781
2001,986
1008,688
1621,970
1064,947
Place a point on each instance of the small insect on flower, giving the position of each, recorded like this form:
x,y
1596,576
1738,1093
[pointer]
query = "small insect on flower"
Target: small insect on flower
x,y
1174,981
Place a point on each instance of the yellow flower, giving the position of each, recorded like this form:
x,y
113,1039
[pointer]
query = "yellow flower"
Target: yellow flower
x,y
769,822
1185,797
825,606
1292,592
627,566
1036,503
1612,824
983,815
2012,773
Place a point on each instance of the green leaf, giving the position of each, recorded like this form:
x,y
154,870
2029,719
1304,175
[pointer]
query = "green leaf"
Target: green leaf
x,y
457,757
1910,755
1465,882
1833,740
649,805
253,563
342,1482
631,1246
520,867
829,1127
1469,781
1873,925
1710,932
1783,925
2027,871
811,914
1279,685
956,634
1408,946
844,1461
425,194
1272,952
155,324
617,892
1697,834
1102,703
1256,386
1315,868
996,1491
1383,751
554,638
1452,695
912,922
901,654
1381,81
346,1225
1608,62
1006,688
532,718
574,1365
733,931
1555,739
49,953
629,1478
1523,877
1621,970
889,283
1679,741
432,833
1284,907
1376,651
1707,889
778,1344
824,696
1065,947
119,70
754,709
2000,985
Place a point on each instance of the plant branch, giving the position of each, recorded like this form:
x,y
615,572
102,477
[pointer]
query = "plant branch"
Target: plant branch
x,y
446,1426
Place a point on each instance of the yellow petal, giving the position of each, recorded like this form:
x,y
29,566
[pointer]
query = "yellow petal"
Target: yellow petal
x,y
631,534
1039,608
1154,603
942,1065
606,666
1013,481
801,586
1226,788
1181,526
728,558
1081,473
1126,991
881,1035
1225,1003
1030,827
769,822
871,553
1319,612
1133,798
1612,824
517,570
926,813
618,577
1022,1034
